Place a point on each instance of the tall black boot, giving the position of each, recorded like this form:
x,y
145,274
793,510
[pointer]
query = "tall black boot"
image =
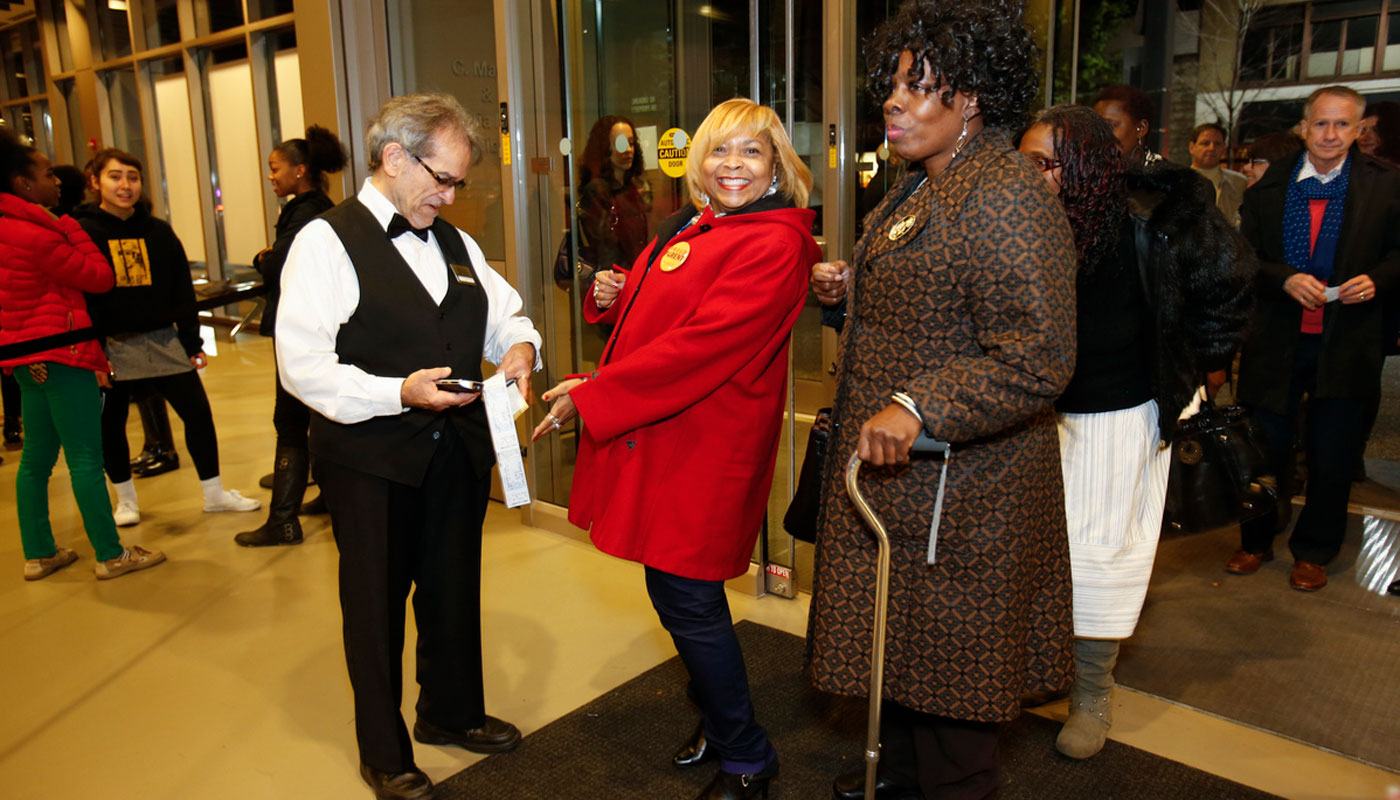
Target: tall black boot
x,y
158,456
288,486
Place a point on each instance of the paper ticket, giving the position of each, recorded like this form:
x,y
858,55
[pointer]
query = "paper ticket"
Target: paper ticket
x,y
1332,294
503,404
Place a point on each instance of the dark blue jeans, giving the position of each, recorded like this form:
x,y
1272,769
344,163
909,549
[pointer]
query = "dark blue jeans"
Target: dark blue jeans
x,y
1333,439
696,614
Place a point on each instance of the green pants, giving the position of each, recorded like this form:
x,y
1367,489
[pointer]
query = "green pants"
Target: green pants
x,y
64,411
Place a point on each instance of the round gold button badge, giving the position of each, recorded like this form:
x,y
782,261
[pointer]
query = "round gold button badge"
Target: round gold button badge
x,y
675,256
902,227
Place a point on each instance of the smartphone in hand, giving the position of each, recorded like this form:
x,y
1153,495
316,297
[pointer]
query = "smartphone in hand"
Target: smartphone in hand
x,y
463,385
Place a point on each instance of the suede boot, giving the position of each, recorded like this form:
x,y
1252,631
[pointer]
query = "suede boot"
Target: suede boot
x,y
1091,699
288,486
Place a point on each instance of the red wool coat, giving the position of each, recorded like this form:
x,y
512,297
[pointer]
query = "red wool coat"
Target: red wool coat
x,y
45,266
681,421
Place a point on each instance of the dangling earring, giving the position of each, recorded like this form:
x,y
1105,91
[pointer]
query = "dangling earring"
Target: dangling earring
x,y
962,137
772,187
704,199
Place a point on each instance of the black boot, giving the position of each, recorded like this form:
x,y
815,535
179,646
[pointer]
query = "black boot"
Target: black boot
x,y
695,751
160,441
729,786
288,486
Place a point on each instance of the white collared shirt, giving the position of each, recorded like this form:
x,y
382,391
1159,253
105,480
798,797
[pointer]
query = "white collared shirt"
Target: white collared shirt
x,y
320,292
1309,171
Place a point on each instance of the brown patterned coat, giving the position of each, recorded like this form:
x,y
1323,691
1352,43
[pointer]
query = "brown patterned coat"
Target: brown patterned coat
x,y
972,313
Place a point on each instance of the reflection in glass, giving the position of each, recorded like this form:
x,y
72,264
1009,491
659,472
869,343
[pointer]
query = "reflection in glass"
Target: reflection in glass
x,y
1360,56
58,12
17,79
236,167
161,20
124,106
113,30
1326,40
175,150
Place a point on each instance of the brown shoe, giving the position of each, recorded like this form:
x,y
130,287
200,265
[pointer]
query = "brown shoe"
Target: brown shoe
x,y
1244,562
1307,576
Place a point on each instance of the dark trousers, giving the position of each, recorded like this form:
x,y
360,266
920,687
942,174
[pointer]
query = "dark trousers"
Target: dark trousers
x,y
290,418
696,614
185,392
9,388
1333,440
392,538
948,759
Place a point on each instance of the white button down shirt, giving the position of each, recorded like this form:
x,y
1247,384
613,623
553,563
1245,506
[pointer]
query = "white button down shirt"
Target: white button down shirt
x,y
1309,171
320,292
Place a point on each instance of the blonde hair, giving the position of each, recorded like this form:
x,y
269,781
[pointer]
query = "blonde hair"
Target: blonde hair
x,y
744,116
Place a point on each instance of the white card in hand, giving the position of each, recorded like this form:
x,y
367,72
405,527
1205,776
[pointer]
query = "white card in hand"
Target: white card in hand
x,y
500,417
1332,293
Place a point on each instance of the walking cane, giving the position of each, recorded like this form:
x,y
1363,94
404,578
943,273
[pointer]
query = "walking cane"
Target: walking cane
x,y
924,444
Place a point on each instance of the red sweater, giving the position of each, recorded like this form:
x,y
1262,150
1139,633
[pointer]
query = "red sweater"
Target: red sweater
x,y
45,266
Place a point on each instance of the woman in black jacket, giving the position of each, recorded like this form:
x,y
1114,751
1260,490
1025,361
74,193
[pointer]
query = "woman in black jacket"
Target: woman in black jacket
x,y
153,341
1154,320
296,167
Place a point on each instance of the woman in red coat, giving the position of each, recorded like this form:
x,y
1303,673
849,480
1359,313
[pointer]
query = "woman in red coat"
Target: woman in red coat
x,y
681,418
46,263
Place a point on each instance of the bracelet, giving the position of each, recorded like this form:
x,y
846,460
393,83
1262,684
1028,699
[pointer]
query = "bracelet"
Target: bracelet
x,y
904,401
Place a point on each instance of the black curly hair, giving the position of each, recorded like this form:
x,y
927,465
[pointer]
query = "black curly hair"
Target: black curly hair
x,y
1092,186
320,152
16,158
979,48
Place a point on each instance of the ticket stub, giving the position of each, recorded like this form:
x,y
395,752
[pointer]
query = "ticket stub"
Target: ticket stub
x,y
503,404
1332,293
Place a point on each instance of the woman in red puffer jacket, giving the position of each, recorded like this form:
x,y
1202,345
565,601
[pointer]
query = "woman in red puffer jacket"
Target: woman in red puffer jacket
x,y
46,263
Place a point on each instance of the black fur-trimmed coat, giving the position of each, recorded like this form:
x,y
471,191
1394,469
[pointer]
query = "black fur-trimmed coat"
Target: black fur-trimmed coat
x,y
1198,271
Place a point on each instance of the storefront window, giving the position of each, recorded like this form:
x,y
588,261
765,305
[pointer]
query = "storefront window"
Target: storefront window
x,y
236,163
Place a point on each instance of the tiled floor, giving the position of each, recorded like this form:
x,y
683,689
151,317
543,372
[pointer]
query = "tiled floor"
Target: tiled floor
x,y
220,674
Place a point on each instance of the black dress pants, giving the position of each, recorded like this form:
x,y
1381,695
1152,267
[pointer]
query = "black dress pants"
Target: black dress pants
x,y
186,394
391,538
9,388
948,759
696,614
1334,439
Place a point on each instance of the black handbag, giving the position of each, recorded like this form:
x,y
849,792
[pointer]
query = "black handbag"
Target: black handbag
x,y
1220,472
801,518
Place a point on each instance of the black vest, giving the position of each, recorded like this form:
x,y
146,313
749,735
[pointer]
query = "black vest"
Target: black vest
x,y
397,329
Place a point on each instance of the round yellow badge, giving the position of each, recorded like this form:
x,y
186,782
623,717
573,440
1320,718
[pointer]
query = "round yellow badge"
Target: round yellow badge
x,y
675,256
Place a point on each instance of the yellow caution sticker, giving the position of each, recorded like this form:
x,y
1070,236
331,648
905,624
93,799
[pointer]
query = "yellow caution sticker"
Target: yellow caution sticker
x,y
831,157
675,256
671,151
505,150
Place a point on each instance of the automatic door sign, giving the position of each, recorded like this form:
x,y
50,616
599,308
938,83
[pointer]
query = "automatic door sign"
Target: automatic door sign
x,y
671,151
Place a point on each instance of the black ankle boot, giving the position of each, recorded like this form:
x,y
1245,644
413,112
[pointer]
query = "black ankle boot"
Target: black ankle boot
x,y
729,786
695,751
288,486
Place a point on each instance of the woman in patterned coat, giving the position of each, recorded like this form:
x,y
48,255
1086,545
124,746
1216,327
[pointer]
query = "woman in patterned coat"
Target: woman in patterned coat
x,y
961,324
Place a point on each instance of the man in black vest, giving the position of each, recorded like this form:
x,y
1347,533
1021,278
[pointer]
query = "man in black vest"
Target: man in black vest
x,y
380,299
1326,226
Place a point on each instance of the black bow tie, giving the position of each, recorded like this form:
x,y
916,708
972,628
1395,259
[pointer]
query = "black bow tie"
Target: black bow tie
x,y
398,225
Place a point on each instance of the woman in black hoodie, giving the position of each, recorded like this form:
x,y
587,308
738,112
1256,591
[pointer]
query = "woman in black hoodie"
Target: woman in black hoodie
x,y
296,167
153,339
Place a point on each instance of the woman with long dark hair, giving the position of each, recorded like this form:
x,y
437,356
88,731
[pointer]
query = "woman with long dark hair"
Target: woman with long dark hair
x,y
46,264
1150,327
614,199
960,324
153,341
296,168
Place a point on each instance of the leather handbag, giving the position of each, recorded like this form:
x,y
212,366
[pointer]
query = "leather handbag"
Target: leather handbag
x,y
1220,472
800,521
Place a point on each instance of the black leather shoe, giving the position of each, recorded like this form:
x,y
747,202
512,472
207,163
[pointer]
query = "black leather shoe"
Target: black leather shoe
x,y
411,785
851,786
163,461
728,786
494,736
695,751
13,441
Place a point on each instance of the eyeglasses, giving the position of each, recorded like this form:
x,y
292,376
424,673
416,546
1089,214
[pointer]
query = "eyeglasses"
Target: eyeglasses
x,y
1046,164
443,180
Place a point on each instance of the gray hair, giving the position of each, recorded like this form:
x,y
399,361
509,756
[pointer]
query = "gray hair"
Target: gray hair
x,y
412,120
1335,91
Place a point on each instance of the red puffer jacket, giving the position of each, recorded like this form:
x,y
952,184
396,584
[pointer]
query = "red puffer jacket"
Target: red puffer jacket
x,y
45,266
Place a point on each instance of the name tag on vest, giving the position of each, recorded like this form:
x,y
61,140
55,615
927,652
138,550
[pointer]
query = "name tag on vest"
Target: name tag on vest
x,y
463,273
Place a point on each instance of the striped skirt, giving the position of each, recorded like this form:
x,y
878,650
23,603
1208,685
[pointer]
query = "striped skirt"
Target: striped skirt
x,y
1115,476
